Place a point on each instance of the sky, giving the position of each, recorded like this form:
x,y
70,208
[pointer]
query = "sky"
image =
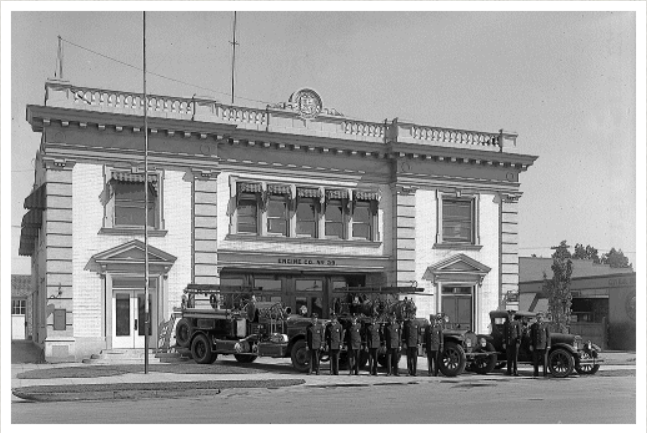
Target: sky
x,y
564,81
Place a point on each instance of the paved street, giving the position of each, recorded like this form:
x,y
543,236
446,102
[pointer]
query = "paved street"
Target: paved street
x,y
605,398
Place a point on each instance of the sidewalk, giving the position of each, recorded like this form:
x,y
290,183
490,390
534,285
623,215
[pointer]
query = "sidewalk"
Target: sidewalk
x,y
615,363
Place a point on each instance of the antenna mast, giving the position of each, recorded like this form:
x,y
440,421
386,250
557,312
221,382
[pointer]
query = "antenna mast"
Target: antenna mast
x,y
59,58
233,60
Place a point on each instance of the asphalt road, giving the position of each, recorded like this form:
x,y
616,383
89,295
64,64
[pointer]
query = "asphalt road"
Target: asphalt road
x,y
467,399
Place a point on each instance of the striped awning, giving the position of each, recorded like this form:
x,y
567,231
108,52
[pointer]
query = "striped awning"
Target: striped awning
x,y
367,196
127,177
249,187
33,218
279,189
36,200
309,192
336,194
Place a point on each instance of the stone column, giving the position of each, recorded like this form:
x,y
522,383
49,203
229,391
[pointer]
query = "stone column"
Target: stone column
x,y
509,250
205,228
404,235
57,229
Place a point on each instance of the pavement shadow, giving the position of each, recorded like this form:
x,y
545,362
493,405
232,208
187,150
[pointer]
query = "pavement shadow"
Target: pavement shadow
x,y
26,352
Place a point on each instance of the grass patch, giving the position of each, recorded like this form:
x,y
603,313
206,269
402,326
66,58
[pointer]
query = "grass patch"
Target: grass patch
x,y
90,371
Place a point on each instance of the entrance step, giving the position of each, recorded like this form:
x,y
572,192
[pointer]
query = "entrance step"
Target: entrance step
x,y
121,356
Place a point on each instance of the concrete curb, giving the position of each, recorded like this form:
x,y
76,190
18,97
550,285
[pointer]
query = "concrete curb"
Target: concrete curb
x,y
113,395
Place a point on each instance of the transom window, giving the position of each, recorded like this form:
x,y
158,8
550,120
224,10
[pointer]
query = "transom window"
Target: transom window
x,y
18,306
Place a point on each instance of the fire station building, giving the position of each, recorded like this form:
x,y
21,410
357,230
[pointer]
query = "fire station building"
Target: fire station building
x,y
294,199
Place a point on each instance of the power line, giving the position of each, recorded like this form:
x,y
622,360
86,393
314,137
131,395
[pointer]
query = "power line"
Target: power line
x,y
175,79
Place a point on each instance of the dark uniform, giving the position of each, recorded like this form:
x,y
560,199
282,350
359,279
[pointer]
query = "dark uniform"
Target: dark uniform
x,y
540,345
512,341
373,335
354,346
335,340
393,337
411,337
314,343
434,345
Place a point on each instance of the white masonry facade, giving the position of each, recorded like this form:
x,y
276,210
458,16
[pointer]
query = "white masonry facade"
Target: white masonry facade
x,y
294,199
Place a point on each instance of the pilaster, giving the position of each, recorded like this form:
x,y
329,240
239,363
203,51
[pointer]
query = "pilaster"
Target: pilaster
x,y
509,296
205,227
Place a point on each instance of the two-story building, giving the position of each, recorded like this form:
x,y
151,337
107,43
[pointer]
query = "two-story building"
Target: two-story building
x,y
294,199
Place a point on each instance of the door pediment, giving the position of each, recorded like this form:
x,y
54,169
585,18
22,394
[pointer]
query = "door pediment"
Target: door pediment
x,y
130,256
459,267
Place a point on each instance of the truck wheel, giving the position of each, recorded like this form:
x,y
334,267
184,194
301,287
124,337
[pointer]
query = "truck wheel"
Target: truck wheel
x,y
300,358
214,356
561,363
586,368
245,359
201,349
183,331
453,359
485,364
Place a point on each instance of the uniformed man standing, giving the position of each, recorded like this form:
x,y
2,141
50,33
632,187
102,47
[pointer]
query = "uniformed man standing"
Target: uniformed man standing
x,y
511,342
314,342
335,341
411,337
373,336
354,345
393,337
434,343
539,344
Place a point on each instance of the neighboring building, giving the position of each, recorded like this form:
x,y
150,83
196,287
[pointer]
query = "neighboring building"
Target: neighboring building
x,y
294,199
603,308
21,305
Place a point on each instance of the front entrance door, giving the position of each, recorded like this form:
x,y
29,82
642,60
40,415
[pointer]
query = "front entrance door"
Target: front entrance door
x,y
457,305
128,318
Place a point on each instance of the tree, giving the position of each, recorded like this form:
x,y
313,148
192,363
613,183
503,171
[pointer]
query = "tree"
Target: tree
x,y
558,289
561,251
616,259
588,253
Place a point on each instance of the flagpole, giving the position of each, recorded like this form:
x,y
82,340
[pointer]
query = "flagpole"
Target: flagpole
x,y
146,309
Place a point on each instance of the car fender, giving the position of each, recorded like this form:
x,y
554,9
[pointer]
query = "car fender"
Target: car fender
x,y
564,346
293,341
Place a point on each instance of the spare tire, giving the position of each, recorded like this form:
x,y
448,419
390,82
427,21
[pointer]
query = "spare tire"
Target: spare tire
x,y
183,331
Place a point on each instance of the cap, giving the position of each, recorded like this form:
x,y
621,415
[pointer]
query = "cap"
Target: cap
x,y
439,316
315,315
540,314
333,316
511,311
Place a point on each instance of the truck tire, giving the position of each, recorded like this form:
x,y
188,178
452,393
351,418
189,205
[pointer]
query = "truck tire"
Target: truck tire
x,y
561,363
183,331
485,365
453,359
245,359
201,349
300,358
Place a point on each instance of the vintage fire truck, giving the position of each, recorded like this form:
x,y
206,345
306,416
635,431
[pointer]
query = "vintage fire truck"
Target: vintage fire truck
x,y
228,321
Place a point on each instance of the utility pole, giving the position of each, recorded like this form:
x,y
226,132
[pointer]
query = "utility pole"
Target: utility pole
x,y
233,60
146,309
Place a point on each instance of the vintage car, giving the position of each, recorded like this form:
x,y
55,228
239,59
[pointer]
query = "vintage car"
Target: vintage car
x,y
567,352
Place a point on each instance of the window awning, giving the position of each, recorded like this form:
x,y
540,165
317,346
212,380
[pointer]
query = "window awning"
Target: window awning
x,y
249,187
367,196
33,218
336,194
279,189
309,192
36,200
123,176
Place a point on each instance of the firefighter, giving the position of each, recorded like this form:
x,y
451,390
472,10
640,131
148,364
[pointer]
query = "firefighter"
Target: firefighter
x,y
314,342
434,343
411,338
373,335
334,339
539,344
354,345
511,342
393,337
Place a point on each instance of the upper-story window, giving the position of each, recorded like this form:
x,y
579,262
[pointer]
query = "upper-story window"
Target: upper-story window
x,y
365,215
277,210
247,207
458,220
336,215
126,202
307,212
